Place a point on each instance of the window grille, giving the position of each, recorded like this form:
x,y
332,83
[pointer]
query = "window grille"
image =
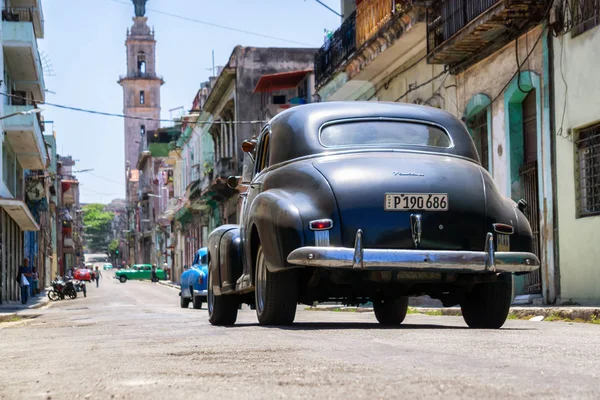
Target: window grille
x,y
587,170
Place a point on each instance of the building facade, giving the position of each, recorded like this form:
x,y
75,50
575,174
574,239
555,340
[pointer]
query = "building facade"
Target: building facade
x,y
22,147
574,46
484,61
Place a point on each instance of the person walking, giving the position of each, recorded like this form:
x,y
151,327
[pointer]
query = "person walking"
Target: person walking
x,y
97,275
154,276
23,276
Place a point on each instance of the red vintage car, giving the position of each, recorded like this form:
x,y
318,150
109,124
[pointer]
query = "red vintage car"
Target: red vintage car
x,y
83,274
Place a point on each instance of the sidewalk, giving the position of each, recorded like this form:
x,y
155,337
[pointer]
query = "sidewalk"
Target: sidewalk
x,y
170,284
540,313
12,308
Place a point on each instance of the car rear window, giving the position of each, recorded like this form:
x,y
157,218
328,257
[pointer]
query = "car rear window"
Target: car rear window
x,y
383,133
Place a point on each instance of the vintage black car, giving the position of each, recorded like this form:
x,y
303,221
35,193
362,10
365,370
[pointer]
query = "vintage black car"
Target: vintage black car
x,y
367,202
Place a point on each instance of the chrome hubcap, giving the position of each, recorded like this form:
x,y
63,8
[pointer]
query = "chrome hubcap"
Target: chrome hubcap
x,y
261,281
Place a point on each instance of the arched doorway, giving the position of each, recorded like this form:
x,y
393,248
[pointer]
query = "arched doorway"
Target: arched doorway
x,y
477,117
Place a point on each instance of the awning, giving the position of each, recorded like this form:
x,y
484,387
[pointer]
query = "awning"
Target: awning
x,y
20,213
280,81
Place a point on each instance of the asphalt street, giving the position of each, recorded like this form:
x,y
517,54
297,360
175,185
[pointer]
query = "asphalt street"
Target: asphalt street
x,y
133,341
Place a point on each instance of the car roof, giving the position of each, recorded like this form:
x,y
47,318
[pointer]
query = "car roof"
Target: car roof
x,y
295,132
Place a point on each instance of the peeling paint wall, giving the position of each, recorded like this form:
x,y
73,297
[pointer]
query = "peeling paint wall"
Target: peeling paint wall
x,y
576,59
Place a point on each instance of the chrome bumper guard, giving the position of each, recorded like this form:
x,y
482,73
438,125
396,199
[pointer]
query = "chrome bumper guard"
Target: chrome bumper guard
x,y
414,260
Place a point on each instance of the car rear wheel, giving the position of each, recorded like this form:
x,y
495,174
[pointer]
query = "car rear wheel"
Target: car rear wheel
x,y
123,279
196,300
276,294
486,306
391,311
222,310
184,302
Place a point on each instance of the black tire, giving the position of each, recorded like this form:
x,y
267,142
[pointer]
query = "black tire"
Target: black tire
x,y
196,300
392,311
222,310
53,295
487,305
72,294
276,294
122,279
184,302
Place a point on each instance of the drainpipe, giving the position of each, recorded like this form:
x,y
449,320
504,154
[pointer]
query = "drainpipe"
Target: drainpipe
x,y
553,162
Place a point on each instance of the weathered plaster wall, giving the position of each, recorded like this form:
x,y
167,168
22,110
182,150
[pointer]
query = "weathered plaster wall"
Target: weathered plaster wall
x,y
575,59
489,77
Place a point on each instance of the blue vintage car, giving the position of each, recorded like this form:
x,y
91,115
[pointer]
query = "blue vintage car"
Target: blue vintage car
x,y
193,281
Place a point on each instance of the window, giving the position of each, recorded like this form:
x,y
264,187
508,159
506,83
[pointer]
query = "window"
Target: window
x,y
383,133
262,159
142,97
141,61
587,170
479,131
279,99
142,130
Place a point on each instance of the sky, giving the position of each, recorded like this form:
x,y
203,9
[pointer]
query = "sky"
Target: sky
x,y
84,53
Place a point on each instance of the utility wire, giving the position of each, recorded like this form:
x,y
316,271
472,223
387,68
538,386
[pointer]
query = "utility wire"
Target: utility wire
x,y
229,28
329,8
107,114
106,179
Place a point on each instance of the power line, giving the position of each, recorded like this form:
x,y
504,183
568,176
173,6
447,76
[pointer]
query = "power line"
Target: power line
x,y
329,8
106,179
198,21
107,114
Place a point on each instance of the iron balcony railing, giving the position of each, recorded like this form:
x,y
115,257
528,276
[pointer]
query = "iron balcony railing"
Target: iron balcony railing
x,y
447,17
337,50
579,16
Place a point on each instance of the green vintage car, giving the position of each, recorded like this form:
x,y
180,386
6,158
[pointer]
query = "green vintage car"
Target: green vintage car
x,y
139,271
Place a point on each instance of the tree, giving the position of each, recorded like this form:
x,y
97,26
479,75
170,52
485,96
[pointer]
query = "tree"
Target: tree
x,y
113,250
97,227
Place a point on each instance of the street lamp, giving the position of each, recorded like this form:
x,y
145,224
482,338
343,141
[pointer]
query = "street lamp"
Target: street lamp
x,y
28,112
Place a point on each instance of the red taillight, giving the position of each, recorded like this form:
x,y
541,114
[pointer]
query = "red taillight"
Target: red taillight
x,y
200,279
504,229
321,224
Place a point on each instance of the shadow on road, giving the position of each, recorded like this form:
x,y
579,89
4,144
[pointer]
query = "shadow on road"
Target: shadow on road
x,y
311,326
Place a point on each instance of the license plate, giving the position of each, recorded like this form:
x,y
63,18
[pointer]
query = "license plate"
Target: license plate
x,y
416,201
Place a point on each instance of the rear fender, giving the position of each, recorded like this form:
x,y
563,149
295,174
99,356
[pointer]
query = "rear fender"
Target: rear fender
x,y
225,257
280,228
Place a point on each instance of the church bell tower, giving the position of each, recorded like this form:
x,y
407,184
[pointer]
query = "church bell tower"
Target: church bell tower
x,y
141,85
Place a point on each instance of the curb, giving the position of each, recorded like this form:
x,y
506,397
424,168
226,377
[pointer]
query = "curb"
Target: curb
x,y
169,285
568,314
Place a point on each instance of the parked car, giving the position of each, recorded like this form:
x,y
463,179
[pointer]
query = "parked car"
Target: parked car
x,y
368,202
193,281
108,266
139,271
83,274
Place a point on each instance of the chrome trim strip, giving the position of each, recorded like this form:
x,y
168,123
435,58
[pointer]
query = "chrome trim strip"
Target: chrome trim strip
x,y
322,238
358,259
490,262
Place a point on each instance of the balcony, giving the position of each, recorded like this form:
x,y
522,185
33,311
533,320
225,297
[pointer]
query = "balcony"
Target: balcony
x,y
68,243
21,53
462,32
26,10
24,134
334,53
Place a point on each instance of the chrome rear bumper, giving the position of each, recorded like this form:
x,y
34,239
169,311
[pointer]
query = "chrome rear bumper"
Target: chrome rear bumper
x,y
415,260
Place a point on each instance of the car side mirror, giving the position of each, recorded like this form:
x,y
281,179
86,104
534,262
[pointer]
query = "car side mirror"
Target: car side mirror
x,y
233,182
248,147
522,205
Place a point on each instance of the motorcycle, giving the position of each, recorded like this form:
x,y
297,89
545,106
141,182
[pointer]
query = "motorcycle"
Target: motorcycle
x,y
61,288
